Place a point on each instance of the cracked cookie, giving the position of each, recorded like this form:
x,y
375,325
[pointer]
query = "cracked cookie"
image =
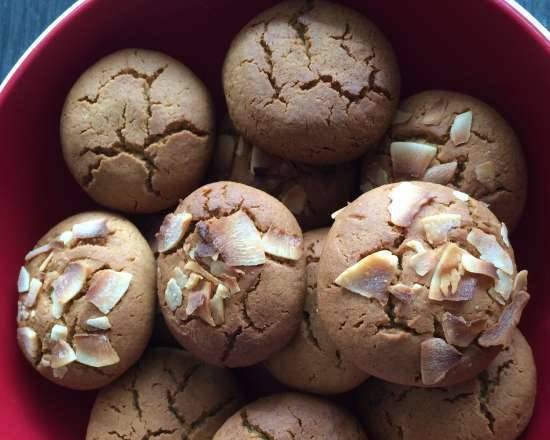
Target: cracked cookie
x,y
311,193
455,140
311,81
291,416
167,394
86,300
418,284
136,131
231,274
311,362
497,405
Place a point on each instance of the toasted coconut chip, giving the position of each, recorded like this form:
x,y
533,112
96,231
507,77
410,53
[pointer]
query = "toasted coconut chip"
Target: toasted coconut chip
x,y
461,196
520,282
460,332
59,373
465,290
225,151
173,295
442,173
437,358
438,226
91,229
62,354
504,285
370,276
198,303
107,287
57,309
69,283
461,127
504,234
406,200
295,199
195,267
261,161
217,307
194,301
490,250
227,274
193,281
401,117
59,332
197,248
94,350
416,246
424,262
38,251
434,114
501,332
29,342
34,289
280,244
66,238
45,263
99,323
411,159
180,277
23,280
172,230
446,276
22,312
486,174
402,292
475,265
235,237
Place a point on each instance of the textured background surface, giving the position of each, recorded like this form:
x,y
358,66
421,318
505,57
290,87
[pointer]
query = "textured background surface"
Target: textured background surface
x,y
21,21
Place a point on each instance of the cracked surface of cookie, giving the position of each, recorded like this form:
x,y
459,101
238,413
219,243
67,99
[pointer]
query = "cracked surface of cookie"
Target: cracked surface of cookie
x,y
414,304
475,151
168,394
232,288
91,316
311,81
290,416
136,131
496,405
311,193
311,362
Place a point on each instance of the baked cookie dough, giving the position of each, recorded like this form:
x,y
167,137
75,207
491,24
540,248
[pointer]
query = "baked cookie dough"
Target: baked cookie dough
x,y
231,274
86,300
311,362
311,81
168,394
497,405
291,416
455,140
136,131
418,284
311,193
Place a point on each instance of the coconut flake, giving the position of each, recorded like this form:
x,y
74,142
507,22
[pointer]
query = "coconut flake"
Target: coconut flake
x,y
280,244
416,246
180,277
402,292
486,173
441,173
62,354
94,350
475,265
438,226
193,266
198,303
38,251
69,284
504,285
436,359
434,114
490,250
45,263
23,280
295,199
446,276
107,287
461,127
66,238
173,295
520,282
411,159
34,289
406,200
370,276
423,262
217,307
463,197
99,323
173,229
193,281
59,332
29,342
401,117
95,228
460,332
504,235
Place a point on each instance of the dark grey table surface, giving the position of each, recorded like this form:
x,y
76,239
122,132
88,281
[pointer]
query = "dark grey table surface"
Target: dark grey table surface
x,y
21,21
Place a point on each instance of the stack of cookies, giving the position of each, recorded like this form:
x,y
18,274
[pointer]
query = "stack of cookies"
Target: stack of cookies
x,y
342,239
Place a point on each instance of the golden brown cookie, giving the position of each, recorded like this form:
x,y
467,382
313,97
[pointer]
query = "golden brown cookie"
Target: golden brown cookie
x,y
231,274
291,416
87,300
311,193
418,284
311,81
497,405
455,140
168,394
136,131
311,362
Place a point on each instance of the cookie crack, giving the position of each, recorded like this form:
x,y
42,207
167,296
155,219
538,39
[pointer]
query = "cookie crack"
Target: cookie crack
x,y
398,429
180,387
268,54
208,414
135,394
460,396
118,435
231,338
153,434
302,29
309,331
244,307
254,429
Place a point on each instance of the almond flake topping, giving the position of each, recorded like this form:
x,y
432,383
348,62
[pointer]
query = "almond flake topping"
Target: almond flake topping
x,y
438,226
504,234
58,332
173,295
475,265
447,274
460,332
461,127
95,228
23,281
280,244
411,159
38,251
107,287
29,343
62,354
504,285
69,284
94,350
490,250
46,261
295,199
66,238
406,200
173,229
99,323
441,173
437,358
34,289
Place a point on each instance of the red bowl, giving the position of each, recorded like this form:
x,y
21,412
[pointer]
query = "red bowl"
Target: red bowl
x,y
489,49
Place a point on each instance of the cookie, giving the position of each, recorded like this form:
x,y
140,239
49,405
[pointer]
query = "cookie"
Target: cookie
x,y
311,81
167,394
497,405
311,362
86,300
231,274
455,140
418,284
311,193
289,416
136,131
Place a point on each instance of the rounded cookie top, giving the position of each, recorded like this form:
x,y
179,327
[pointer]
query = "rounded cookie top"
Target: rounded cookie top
x,y
418,284
311,362
496,405
136,131
168,392
291,415
311,193
314,82
456,140
86,300
231,274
